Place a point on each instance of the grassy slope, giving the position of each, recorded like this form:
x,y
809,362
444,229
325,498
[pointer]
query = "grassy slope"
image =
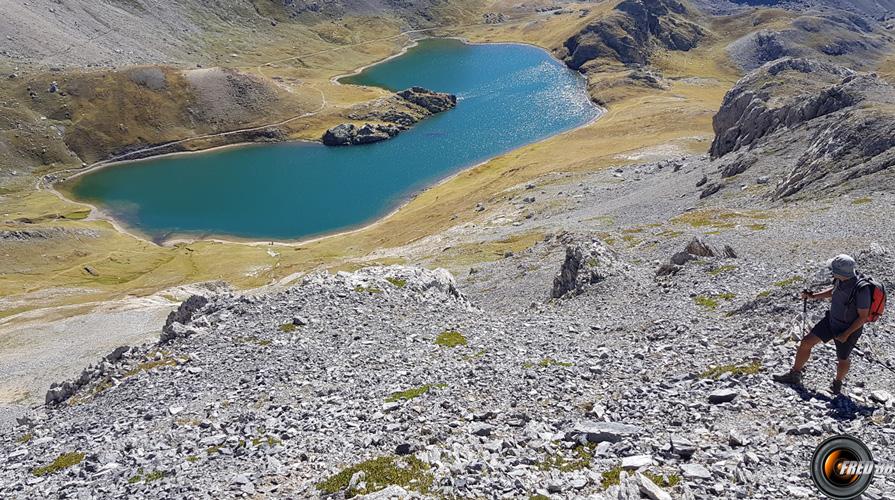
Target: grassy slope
x,y
52,273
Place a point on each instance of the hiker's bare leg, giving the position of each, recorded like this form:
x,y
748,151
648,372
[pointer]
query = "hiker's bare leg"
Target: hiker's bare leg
x,y
842,368
804,351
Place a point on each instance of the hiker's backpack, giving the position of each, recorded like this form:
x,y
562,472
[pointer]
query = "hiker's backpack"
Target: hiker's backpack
x,y
877,296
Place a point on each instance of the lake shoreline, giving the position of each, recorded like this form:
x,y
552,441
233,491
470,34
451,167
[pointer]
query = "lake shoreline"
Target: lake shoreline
x,y
171,239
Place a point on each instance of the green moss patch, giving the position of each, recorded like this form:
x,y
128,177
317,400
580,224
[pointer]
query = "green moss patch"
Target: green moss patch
x,y
862,201
711,302
413,393
269,440
62,462
408,472
367,289
397,282
146,366
788,282
254,340
450,338
669,233
581,459
747,369
146,477
718,219
611,477
722,269
288,327
662,481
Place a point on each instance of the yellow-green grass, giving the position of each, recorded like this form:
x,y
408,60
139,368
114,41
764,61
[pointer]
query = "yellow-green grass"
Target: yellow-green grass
x,y
663,481
788,282
611,477
582,455
61,462
722,269
413,392
459,257
408,472
721,219
735,370
450,338
711,302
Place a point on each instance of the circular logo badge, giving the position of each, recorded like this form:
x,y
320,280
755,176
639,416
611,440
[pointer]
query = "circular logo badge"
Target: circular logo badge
x,y
842,467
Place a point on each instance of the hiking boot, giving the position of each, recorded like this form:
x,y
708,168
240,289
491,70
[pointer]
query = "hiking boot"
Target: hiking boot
x,y
836,387
791,377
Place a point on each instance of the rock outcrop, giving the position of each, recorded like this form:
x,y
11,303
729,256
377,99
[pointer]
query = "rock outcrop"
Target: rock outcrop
x,y
433,102
632,32
837,125
695,249
178,320
398,112
584,265
347,134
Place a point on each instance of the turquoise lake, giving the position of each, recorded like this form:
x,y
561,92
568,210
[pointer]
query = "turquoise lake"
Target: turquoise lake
x,y
509,95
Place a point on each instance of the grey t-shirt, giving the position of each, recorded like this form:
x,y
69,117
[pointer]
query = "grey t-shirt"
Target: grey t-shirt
x,y
842,314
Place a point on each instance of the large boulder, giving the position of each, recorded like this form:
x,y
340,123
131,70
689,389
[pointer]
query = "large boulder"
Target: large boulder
x,y
598,432
695,249
340,135
584,265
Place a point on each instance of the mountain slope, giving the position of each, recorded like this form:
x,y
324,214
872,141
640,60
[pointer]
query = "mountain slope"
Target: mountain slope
x,y
115,32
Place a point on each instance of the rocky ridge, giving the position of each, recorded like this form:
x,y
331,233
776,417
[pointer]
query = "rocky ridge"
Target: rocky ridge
x,y
829,127
835,37
398,112
338,385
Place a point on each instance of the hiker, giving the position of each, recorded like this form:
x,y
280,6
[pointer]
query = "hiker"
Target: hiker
x,y
843,323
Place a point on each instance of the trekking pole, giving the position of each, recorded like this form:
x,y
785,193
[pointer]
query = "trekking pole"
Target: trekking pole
x,y
870,356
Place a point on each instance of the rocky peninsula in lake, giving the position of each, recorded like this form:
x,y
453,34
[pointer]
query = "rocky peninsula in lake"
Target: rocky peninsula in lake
x,y
397,113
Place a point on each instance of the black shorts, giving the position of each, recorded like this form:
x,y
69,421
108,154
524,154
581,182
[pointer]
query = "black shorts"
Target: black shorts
x,y
823,331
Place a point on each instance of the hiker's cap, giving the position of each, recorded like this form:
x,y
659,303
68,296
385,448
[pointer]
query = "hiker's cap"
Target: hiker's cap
x,y
843,265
